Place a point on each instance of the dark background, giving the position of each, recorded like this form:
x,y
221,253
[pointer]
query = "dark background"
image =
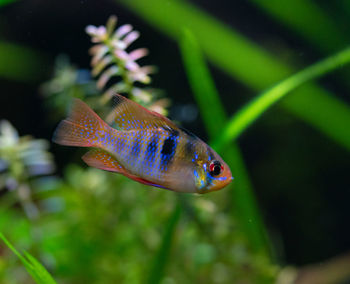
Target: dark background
x,y
301,177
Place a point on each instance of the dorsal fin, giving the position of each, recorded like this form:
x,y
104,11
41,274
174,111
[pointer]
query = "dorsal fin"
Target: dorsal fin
x,y
127,115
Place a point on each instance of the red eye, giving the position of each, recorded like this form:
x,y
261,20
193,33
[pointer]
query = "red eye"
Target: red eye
x,y
215,168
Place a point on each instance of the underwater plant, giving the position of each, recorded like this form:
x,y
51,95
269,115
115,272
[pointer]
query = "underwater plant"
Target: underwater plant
x,y
68,82
110,58
22,158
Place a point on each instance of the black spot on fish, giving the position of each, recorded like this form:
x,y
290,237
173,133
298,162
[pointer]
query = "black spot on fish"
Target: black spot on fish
x,y
151,151
168,146
168,150
190,134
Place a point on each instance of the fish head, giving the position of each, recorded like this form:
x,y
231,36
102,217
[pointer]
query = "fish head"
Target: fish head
x,y
212,175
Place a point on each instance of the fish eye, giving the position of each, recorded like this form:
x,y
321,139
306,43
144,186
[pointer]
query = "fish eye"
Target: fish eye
x,y
215,168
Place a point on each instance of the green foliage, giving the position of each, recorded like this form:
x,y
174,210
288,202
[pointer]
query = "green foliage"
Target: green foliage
x,y
163,255
202,85
110,224
323,33
98,227
34,268
249,113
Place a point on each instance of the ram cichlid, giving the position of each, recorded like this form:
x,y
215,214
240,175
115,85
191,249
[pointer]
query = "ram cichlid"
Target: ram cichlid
x,y
144,146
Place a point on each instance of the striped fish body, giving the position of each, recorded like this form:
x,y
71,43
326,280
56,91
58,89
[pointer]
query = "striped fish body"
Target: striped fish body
x,y
144,146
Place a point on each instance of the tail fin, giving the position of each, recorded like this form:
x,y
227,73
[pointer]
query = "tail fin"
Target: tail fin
x,y
80,128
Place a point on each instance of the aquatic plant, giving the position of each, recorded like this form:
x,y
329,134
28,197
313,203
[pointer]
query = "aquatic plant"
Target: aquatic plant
x,y
68,82
110,58
22,158
249,113
34,267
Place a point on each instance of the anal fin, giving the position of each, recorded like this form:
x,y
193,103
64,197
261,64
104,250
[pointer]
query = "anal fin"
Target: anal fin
x,y
102,160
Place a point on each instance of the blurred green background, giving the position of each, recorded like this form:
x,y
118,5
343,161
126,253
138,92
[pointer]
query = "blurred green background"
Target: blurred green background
x,y
285,217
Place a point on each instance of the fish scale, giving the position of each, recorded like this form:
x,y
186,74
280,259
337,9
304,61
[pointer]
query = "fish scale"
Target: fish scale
x,y
144,164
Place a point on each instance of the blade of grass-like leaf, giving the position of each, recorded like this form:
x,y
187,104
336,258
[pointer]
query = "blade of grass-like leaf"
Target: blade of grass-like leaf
x,y
206,95
20,63
247,62
33,267
202,85
248,114
312,23
162,256
43,275
12,248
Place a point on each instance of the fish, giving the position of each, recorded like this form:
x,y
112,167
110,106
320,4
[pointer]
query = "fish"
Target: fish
x,y
144,146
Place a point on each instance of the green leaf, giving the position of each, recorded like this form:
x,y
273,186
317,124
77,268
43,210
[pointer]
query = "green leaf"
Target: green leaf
x,y
202,85
246,61
312,23
162,256
34,268
249,113
207,97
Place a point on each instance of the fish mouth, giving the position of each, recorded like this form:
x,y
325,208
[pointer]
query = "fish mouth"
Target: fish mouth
x,y
219,185
227,181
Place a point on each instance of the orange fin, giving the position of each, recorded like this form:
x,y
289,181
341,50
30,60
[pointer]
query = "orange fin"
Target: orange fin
x,y
80,127
128,115
102,160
